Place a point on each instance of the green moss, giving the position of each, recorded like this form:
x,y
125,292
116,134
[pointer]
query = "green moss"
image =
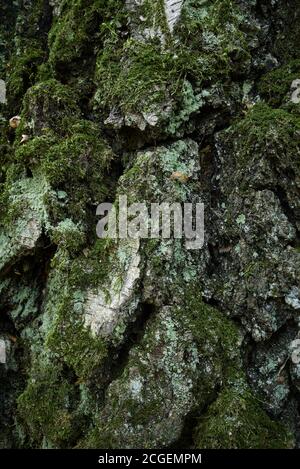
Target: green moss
x,y
92,268
69,236
127,69
70,153
147,66
215,28
24,69
66,335
236,420
8,16
75,33
70,340
216,338
45,106
209,326
275,85
46,407
35,149
82,156
190,351
265,127
153,12
29,50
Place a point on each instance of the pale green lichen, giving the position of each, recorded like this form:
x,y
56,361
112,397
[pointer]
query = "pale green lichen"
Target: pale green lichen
x,y
25,218
136,384
184,354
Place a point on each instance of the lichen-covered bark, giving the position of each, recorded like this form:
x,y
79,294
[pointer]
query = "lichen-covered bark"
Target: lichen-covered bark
x,y
145,343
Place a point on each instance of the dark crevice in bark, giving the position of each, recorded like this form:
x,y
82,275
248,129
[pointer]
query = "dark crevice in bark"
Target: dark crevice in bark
x,y
287,210
7,325
191,421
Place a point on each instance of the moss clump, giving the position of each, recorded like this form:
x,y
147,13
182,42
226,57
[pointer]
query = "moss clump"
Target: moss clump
x,y
45,106
35,149
209,326
81,156
29,50
24,70
265,127
275,85
216,29
67,335
92,268
72,342
69,236
262,119
125,75
75,34
47,407
70,153
127,69
8,18
236,420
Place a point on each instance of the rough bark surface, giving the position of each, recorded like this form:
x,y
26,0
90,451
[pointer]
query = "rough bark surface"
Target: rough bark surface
x,y
145,343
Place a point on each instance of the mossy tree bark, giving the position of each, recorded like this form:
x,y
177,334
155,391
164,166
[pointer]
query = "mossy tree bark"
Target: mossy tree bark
x,y
145,343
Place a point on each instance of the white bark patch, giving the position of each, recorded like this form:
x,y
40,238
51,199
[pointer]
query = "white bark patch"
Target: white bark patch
x,y
57,6
173,11
102,310
132,5
2,351
30,235
2,92
293,298
295,87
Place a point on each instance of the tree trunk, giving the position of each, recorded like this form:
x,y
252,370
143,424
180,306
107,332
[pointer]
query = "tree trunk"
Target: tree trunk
x,y
140,338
